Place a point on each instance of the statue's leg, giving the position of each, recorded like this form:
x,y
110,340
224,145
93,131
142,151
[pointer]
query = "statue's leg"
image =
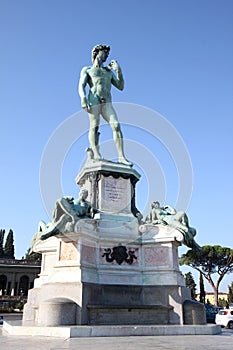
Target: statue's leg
x,y
65,206
182,218
186,220
193,231
182,227
42,226
173,221
64,219
189,239
56,227
110,116
93,135
58,210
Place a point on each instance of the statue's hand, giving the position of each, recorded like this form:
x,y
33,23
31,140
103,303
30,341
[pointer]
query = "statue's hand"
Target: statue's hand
x,y
85,105
114,65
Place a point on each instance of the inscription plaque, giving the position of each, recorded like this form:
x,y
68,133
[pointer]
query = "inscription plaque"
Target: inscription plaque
x,y
115,194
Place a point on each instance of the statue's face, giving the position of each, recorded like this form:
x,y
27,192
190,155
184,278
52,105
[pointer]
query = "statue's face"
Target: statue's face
x,y
155,205
83,195
103,55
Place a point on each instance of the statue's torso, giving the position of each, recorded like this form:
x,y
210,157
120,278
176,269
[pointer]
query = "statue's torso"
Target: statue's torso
x,y
99,80
80,207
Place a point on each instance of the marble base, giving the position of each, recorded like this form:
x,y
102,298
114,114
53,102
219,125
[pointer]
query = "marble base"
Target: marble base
x,y
16,329
117,269
109,269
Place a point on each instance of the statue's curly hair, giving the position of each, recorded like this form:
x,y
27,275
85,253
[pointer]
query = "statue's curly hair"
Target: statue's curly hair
x,y
98,48
156,202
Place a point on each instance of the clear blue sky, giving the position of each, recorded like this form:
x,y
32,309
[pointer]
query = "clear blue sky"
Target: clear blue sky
x,y
177,58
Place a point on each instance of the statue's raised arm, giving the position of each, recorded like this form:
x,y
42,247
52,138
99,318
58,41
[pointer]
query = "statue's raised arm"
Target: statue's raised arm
x,y
118,80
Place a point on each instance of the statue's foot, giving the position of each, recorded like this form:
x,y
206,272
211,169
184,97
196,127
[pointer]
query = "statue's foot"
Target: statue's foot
x,y
96,158
50,233
93,154
90,154
123,160
45,236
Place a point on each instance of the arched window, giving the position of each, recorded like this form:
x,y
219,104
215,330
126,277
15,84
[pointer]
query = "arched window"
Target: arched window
x,y
3,284
23,285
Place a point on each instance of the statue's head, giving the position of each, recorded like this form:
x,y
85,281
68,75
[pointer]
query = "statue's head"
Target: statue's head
x,y
155,204
83,194
96,49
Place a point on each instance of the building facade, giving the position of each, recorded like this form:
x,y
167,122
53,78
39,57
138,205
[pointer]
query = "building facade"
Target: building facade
x,y
209,297
17,276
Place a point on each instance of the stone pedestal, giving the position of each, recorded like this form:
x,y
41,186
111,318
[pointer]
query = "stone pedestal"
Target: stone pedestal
x,y
111,188
110,269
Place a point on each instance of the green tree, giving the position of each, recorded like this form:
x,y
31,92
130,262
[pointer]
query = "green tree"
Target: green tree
x,y
202,289
9,249
190,283
2,233
208,261
222,302
33,256
230,293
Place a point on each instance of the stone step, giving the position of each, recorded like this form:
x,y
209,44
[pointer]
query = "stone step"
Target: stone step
x,y
15,328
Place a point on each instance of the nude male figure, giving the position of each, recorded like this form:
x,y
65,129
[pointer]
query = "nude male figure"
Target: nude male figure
x,y
99,102
168,215
66,212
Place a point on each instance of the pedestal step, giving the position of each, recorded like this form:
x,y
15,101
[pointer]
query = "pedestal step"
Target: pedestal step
x,y
14,328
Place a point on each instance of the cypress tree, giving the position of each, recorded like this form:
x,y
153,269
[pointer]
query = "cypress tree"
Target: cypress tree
x,y
189,281
9,249
2,233
202,289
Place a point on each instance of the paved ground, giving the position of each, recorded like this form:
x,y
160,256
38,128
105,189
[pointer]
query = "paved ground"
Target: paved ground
x,y
198,342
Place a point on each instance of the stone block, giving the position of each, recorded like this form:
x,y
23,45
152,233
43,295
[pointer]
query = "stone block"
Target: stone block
x,y
194,313
128,314
57,313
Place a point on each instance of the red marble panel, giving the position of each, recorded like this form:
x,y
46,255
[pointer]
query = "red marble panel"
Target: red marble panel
x,y
68,251
89,254
156,256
